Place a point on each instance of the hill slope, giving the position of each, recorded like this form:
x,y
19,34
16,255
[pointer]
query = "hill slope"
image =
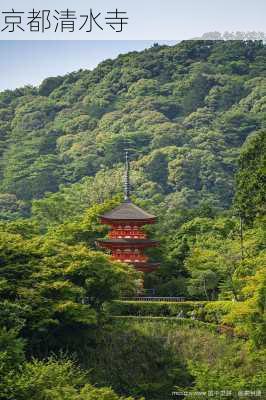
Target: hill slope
x,y
183,111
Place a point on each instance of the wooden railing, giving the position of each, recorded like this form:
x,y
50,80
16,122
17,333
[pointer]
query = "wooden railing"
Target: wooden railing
x,y
130,233
153,298
130,257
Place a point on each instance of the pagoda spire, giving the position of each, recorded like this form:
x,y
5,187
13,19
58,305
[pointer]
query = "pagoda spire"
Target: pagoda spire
x,y
127,179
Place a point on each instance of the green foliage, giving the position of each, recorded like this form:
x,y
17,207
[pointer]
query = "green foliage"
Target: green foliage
x,y
146,308
11,208
214,362
250,180
142,364
249,317
50,380
169,321
11,352
50,84
57,288
212,312
180,102
186,114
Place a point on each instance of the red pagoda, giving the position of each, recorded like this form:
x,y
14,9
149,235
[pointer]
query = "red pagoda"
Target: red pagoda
x,y
126,239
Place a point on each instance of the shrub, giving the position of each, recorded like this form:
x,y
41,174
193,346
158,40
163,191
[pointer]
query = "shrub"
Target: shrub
x,y
202,310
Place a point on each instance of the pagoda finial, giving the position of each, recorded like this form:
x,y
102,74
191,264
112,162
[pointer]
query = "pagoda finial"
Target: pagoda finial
x,y
127,179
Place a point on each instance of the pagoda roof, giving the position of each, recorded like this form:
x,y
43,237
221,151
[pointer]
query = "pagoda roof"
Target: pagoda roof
x,y
128,211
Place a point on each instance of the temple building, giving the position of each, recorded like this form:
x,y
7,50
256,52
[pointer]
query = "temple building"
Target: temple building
x,y
126,239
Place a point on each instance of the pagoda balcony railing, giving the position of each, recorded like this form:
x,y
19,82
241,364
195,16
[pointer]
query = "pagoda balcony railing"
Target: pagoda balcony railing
x,y
130,258
122,234
154,298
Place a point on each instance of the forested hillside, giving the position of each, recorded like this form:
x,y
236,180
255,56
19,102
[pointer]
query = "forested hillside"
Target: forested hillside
x,y
193,119
183,111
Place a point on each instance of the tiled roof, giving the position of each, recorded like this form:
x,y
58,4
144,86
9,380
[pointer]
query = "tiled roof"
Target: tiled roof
x,y
128,211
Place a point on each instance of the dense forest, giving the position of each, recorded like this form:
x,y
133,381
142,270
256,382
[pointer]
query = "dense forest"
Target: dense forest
x,y
192,117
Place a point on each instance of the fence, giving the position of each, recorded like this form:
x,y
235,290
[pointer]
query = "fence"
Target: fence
x,y
154,298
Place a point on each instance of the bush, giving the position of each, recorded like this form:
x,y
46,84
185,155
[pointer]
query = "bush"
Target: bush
x,y
212,312
169,322
135,362
52,380
216,310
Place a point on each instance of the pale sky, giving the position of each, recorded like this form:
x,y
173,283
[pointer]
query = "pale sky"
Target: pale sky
x,y
25,59
29,62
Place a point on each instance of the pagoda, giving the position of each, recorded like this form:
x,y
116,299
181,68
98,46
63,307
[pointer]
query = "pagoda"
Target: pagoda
x,y
126,239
